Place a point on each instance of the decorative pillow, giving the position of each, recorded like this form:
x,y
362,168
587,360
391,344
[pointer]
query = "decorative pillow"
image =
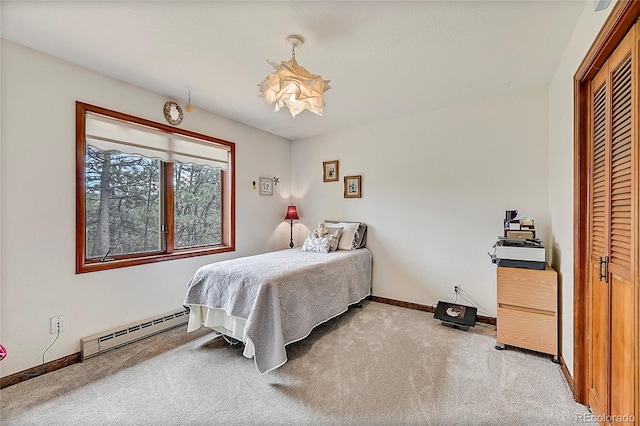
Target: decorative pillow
x,y
347,238
360,238
317,244
320,231
325,231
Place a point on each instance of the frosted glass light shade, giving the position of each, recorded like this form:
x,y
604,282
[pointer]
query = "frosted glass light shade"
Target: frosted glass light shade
x,y
294,87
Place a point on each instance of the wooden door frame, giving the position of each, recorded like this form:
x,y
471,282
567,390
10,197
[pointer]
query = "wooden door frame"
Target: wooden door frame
x,y
622,18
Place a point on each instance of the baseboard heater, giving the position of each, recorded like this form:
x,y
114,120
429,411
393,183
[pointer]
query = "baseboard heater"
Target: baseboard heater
x,y
117,337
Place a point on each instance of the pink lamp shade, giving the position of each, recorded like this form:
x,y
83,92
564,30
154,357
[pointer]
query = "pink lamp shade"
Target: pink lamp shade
x,y
292,213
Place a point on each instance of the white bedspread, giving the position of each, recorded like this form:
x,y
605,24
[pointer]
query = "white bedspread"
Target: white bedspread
x,y
282,295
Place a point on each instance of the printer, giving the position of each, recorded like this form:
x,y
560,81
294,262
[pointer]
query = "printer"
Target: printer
x,y
529,253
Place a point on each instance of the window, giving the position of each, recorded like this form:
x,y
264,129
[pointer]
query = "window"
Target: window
x,y
147,192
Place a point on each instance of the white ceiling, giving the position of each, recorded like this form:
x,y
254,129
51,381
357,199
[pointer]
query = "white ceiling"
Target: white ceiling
x,y
385,59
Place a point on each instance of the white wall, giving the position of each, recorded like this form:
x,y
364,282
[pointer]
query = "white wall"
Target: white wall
x,y
561,165
435,187
37,170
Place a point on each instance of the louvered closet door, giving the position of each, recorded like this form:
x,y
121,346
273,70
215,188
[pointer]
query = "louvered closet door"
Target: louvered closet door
x,y
622,240
613,241
599,224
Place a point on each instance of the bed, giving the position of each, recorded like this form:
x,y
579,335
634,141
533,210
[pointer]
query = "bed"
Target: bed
x,y
270,300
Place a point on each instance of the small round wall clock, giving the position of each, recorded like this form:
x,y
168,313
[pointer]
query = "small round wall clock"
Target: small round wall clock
x,y
173,113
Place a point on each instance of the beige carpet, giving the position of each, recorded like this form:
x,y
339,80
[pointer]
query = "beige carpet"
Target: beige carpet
x,y
377,365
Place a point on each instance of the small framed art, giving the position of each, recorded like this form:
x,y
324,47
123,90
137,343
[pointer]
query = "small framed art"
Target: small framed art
x,y
266,186
352,186
330,171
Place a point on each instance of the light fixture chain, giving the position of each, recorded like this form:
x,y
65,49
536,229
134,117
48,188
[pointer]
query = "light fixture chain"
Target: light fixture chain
x,y
293,52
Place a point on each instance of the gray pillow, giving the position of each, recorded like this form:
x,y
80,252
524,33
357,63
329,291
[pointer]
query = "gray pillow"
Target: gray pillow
x,y
335,232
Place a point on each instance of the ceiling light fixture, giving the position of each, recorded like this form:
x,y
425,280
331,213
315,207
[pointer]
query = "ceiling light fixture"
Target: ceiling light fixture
x,y
189,107
292,86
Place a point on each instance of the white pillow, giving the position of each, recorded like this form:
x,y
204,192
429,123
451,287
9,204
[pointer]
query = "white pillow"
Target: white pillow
x,y
348,234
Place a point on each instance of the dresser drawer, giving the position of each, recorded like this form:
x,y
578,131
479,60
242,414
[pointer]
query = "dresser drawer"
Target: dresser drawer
x,y
528,288
528,330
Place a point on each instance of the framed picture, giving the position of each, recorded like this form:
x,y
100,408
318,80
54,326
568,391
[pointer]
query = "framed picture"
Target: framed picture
x,y
266,186
352,187
330,171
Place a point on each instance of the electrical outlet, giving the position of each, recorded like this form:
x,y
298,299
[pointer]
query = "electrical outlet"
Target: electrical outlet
x,y
456,289
57,323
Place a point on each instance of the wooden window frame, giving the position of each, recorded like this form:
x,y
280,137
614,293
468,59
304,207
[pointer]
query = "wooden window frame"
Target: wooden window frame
x,y
621,19
170,252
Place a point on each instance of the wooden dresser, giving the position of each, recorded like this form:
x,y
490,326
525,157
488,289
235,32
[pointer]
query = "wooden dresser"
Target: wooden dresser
x,y
528,309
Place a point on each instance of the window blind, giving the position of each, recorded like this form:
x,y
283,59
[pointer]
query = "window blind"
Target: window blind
x,y
108,134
